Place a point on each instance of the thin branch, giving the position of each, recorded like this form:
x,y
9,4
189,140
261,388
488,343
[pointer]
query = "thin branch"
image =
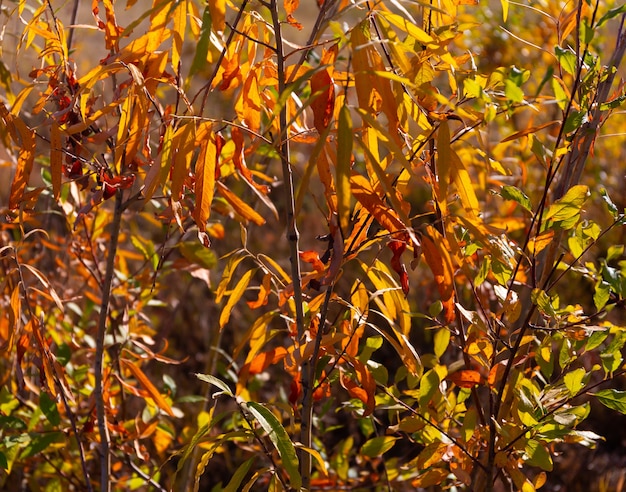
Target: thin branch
x,y
292,238
105,458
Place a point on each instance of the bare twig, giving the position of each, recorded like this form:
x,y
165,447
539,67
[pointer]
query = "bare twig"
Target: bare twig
x,y
105,458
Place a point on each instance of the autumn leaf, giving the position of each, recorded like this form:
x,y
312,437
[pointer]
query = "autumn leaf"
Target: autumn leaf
x,y
241,207
437,257
208,161
154,393
465,378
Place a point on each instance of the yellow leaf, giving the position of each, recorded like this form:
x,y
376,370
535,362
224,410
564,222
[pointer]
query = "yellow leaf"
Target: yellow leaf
x,y
154,393
539,242
464,185
218,14
241,207
234,297
408,27
180,24
56,158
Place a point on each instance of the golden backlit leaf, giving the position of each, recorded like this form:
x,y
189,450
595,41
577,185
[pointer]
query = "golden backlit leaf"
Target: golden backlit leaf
x,y
154,393
178,35
241,207
371,201
248,106
437,256
205,181
265,290
539,242
234,297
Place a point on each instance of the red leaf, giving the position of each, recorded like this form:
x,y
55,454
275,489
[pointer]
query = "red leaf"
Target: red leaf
x,y
398,247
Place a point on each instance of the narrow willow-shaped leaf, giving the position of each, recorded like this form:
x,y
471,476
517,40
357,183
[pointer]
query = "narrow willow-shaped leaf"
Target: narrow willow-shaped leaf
x,y
154,393
234,297
207,378
202,47
343,166
241,207
235,482
205,181
279,437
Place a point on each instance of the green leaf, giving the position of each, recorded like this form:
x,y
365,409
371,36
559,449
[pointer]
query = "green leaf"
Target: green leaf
x,y
49,408
3,462
574,121
197,253
40,442
279,437
512,193
215,382
513,91
613,399
567,59
441,339
202,48
611,14
569,205
429,385
240,474
377,446
601,294
538,455
609,203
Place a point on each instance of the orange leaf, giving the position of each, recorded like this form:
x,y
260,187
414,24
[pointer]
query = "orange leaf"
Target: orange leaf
x,y
205,183
437,256
218,14
323,104
366,392
290,7
263,360
154,393
365,194
241,207
264,292
24,137
465,378
496,373
248,106
313,258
